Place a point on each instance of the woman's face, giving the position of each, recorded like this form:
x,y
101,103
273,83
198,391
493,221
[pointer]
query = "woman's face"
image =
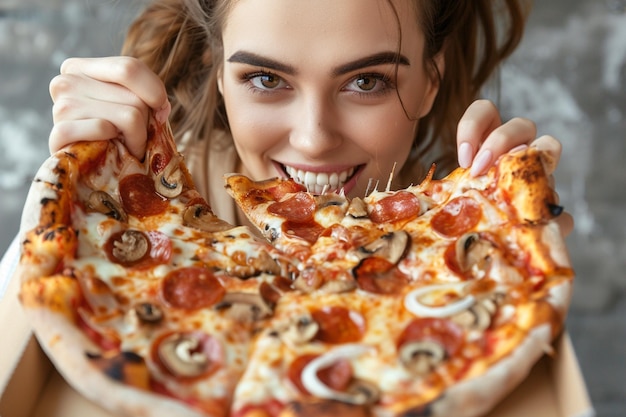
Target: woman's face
x,y
310,89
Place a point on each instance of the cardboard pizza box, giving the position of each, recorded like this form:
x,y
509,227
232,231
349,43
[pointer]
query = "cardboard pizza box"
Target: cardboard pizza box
x,y
31,387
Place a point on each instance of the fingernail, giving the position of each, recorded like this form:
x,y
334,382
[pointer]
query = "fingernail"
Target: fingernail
x,y
481,162
465,155
163,113
519,148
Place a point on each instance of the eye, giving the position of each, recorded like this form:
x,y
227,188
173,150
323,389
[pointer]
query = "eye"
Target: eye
x,y
266,81
366,83
370,84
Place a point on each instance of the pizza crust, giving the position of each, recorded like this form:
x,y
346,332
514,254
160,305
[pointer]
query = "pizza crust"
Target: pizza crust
x,y
40,189
43,213
66,348
476,396
522,177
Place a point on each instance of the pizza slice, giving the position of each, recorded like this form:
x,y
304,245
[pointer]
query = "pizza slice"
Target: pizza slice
x,y
475,268
142,297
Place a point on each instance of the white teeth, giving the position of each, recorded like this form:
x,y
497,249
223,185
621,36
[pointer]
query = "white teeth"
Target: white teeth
x,y
318,182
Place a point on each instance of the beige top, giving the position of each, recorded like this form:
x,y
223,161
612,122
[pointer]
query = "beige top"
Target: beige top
x,y
209,179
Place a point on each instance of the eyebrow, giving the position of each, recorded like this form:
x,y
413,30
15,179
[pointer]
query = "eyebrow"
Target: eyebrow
x,y
250,58
381,58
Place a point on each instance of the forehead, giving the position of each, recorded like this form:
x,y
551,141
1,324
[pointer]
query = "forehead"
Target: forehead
x,y
317,26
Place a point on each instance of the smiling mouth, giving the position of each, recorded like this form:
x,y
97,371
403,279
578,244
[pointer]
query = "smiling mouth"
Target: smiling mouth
x,y
321,182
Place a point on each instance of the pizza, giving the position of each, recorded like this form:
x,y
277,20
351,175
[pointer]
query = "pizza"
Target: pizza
x,y
436,299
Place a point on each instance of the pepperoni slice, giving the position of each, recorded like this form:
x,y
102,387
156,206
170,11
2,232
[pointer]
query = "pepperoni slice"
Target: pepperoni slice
x,y
269,408
294,372
299,208
309,231
106,342
338,325
140,198
158,163
457,217
379,276
282,283
192,288
402,205
285,187
269,294
297,212
336,376
442,331
160,248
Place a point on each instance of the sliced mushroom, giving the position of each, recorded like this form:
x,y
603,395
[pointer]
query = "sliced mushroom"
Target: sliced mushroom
x,y
491,303
498,298
473,254
309,280
104,203
330,199
357,208
391,246
421,357
132,247
263,262
362,392
201,217
299,331
181,355
338,286
169,182
245,307
477,317
254,266
149,313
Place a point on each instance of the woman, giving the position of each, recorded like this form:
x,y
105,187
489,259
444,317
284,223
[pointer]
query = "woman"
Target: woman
x,y
332,93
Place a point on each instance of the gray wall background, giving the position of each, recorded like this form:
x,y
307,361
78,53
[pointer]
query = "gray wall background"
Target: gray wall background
x,y
569,76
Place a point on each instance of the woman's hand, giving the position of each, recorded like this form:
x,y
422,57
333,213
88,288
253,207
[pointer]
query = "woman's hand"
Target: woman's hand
x,y
105,98
482,138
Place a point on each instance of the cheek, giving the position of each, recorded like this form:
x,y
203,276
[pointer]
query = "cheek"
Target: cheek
x,y
255,128
387,134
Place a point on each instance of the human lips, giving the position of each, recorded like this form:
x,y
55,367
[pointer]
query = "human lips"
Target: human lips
x,y
322,181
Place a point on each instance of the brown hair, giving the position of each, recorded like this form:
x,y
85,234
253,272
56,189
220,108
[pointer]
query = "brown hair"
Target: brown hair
x,y
180,40
475,36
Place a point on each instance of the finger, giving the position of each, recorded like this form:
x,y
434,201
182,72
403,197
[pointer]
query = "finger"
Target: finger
x,y
512,134
72,85
67,132
125,71
130,123
552,147
480,119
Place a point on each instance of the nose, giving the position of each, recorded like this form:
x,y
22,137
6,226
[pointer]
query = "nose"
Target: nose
x,y
315,131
